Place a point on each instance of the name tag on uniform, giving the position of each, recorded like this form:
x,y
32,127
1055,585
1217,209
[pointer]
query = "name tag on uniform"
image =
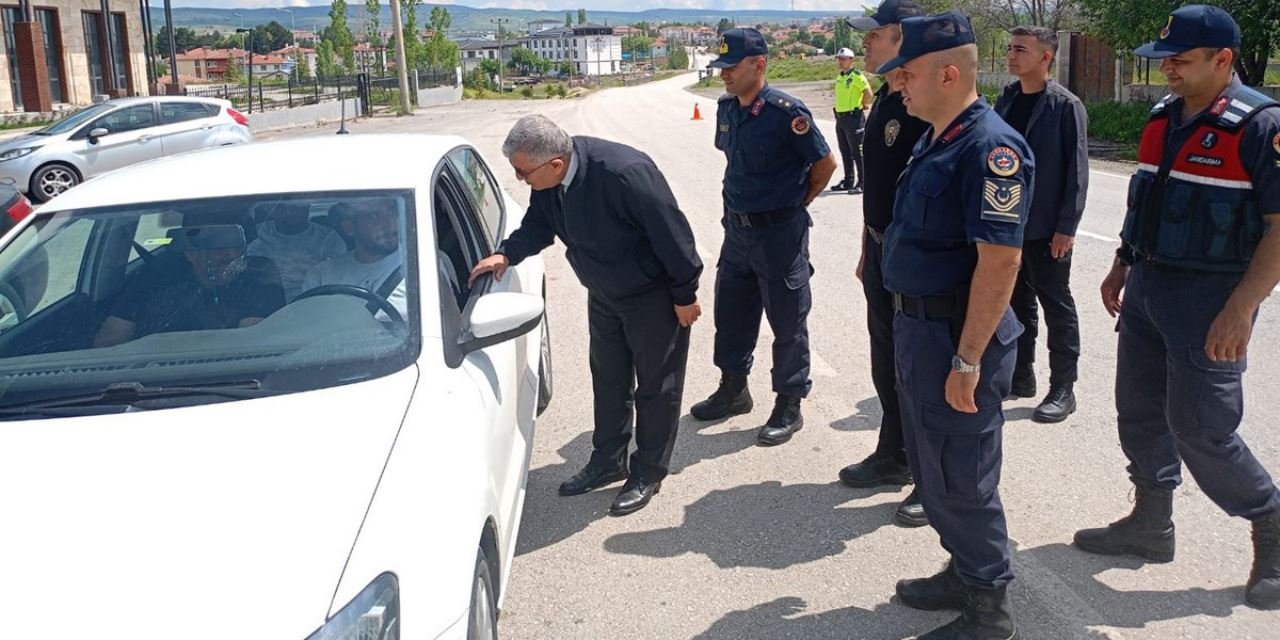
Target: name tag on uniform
x,y
1002,200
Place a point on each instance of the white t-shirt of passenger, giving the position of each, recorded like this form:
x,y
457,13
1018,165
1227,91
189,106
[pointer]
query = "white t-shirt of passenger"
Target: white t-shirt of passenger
x,y
345,269
295,255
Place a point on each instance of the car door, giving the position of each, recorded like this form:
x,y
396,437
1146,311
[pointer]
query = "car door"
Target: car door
x,y
130,139
496,371
186,125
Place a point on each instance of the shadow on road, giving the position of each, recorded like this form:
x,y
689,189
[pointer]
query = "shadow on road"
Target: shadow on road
x,y
550,518
694,446
755,526
866,417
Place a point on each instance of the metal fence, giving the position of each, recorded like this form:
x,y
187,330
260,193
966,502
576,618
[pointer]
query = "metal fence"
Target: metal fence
x,y
264,96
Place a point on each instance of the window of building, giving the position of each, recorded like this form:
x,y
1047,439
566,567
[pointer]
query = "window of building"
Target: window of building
x,y
102,67
48,19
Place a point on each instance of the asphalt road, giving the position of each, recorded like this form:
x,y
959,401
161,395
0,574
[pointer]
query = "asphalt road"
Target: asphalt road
x,y
746,542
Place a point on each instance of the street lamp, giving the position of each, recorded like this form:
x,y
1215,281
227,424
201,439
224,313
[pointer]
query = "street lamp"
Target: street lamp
x,y
250,37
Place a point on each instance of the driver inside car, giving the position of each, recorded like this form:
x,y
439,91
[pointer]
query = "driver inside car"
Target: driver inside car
x,y
376,262
219,289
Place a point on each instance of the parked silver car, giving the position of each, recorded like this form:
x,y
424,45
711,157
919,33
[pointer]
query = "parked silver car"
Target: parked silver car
x,y
115,134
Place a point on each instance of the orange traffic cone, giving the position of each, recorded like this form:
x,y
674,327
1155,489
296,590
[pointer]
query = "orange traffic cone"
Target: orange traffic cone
x,y
697,115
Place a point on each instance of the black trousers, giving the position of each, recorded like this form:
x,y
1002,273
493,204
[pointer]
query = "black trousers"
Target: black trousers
x,y
849,131
638,356
1048,282
883,370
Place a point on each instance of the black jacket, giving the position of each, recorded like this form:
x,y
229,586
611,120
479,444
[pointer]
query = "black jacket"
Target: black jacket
x,y
1058,134
623,231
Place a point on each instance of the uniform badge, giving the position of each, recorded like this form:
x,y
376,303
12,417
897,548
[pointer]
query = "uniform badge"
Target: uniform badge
x,y
1210,139
724,128
1275,143
1004,162
1164,33
891,131
800,125
1002,200
1220,106
757,106
724,47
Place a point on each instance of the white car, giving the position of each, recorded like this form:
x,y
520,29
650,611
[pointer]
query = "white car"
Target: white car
x,y
114,134
186,453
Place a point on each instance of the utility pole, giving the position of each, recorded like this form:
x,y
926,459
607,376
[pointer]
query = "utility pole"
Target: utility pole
x,y
401,70
501,39
250,37
175,85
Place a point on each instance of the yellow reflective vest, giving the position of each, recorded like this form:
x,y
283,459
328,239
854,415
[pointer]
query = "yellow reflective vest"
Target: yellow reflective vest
x,y
849,89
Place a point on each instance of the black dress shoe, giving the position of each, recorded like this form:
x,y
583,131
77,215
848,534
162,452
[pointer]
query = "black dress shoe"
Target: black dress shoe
x,y
1060,403
855,189
634,496
731,398
783,423
1023,387
592,477
986,615
840,186
877,470
910,512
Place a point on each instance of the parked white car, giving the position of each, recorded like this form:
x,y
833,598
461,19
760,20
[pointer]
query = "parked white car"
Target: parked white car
x,y
114,134
188,453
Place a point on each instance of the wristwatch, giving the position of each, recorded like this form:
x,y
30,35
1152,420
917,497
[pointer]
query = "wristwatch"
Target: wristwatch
x,y
958,365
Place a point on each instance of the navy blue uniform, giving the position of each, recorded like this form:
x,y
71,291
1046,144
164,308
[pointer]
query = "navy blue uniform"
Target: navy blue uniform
x,y
1173,404
971,184
764,261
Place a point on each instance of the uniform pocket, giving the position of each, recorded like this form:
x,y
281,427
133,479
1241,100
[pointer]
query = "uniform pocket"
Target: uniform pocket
x,y
961,453
1206,398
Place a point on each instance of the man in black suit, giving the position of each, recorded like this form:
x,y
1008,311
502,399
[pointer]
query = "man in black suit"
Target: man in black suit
x,y
632,248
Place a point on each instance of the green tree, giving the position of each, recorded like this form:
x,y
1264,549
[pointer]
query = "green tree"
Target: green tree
x,y
638,46
526,61
1125,24
326,64
301,68
232,72
338,34
582,16
568,18
414,51
184,39
843,36
565,69
373,35
439,51
677,57
724,25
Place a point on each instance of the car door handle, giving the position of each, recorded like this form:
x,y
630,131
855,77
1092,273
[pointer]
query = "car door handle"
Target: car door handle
x,y
146,138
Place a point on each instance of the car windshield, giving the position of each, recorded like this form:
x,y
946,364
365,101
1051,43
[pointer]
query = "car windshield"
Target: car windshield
x,y
71,122
271,293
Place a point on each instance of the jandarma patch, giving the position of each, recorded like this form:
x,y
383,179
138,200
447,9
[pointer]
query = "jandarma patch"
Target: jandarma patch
x,y
1002,200
800,125
1004,161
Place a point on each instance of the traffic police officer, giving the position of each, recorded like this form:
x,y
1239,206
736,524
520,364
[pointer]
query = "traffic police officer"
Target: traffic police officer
x,y
951,260
1200,253
853,98
891,134
777,164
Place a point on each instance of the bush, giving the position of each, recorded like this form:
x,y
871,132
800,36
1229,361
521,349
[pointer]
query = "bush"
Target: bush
x,y
527,92
1116,122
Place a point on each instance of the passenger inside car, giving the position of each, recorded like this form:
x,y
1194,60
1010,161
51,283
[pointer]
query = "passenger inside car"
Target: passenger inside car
x,y
296,244
376,262
221,289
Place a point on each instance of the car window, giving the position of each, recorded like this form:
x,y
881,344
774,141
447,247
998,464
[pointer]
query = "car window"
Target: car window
x,y
128,119
456,250
196,308
173,112
484,191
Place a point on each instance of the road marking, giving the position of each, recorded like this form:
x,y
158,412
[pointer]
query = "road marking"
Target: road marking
x,y
1110,175
1097,236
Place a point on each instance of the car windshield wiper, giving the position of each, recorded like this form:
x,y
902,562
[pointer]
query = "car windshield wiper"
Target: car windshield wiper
x,y
128,393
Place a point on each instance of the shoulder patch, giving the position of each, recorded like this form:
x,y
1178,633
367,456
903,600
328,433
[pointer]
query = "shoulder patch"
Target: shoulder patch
x,y
1004,161
1275,143
1163,104
1002,201
800,125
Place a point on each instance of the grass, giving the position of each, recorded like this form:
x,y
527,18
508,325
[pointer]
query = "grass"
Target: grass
x,y
5,126
1118,123
802,69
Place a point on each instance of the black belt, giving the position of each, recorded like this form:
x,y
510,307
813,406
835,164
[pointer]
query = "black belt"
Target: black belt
x,y
875,234
929,307
845,114
761,218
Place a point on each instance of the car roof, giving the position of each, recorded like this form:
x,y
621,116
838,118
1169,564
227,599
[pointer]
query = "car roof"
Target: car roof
x,y
124,102
314,164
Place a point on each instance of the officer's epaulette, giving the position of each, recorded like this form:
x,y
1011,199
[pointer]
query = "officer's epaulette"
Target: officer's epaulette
x,y
1163,104
782,101
727,96
1238,104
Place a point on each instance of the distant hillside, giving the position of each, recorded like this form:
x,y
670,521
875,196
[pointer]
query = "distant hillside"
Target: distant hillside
x,y
464,18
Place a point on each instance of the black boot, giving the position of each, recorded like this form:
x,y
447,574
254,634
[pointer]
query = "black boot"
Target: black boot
x,y
1146,532
985,616
732,398
910,513
940,591
876,470
1060,403
1024,385
1263,589
783,423
843,185
856,189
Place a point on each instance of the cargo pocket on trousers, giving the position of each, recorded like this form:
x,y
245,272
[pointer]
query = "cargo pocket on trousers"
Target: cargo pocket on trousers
x,y
963,456
1207,395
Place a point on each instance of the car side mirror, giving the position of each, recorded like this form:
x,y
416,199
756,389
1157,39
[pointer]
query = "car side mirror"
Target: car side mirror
x,y
497,317
95,133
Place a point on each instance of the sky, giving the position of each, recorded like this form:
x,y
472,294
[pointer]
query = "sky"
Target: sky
x,y
610,5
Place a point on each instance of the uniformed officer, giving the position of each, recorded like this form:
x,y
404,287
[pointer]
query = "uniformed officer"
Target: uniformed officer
x,y
951,260
1200,253
778,163
891,134
853,98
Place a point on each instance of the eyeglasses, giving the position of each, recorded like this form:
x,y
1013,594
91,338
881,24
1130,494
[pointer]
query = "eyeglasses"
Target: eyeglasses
x,y
524,175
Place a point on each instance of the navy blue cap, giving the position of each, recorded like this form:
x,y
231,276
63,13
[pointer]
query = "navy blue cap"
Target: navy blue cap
x,y
736,44
889,12
930,34
1192,27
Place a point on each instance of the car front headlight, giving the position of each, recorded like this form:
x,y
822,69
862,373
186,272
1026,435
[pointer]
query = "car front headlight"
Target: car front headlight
x,y
372,615
14,154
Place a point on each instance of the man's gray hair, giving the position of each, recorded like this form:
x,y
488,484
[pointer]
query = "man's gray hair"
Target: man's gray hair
x,y
539,138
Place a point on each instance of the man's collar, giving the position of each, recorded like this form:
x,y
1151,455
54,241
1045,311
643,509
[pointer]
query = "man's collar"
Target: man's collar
x,y
572,172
